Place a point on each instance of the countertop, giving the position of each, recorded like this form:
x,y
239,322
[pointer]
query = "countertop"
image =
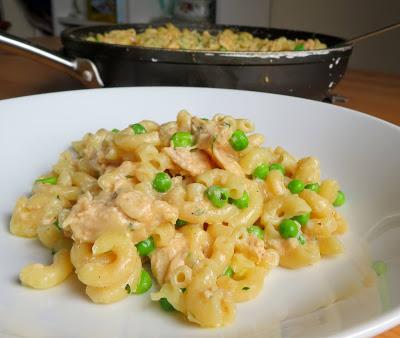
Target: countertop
x,y
372,93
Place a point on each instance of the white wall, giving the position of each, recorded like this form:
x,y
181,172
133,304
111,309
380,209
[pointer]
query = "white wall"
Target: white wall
x,y
347,18
243,12
14,13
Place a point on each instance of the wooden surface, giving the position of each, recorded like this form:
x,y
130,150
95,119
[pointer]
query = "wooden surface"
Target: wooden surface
x,y
372,93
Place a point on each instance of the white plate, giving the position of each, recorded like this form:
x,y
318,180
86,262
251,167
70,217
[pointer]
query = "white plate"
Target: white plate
x,y
358,150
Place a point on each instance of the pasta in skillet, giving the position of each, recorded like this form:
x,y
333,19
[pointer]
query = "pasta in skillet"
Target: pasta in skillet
x,y
171,37
200,202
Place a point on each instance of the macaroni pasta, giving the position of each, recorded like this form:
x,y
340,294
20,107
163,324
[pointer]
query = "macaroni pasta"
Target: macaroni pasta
x,y
203,206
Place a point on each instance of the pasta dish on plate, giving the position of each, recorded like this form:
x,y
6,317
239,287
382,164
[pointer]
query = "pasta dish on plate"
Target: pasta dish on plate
x,y
198,205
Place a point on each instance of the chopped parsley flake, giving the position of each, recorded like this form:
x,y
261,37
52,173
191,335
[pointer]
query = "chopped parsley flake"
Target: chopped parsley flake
x,y
57,225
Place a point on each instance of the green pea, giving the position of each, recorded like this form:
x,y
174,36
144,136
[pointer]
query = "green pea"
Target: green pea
x,y
261,171
138,129
277,166
229,272
145,247
239,140
145,283
115,130
340,199
162,182
217,195
288,229
242,202
302,219
180,223
299,47
296,186
182,139
313,187
47,180
380,268
256,231
166,305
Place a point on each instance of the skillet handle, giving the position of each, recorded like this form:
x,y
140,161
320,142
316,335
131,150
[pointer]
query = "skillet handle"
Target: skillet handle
x,y
82,69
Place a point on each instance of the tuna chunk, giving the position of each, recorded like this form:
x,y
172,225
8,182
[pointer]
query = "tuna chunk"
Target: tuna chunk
x,y
168,258
194,161
89,218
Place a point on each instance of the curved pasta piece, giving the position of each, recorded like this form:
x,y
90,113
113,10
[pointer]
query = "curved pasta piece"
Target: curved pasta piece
x,y
64,193
115,293
330,246
166,131
275,184
52,237
341,224
65,162
320,206
98,148
28,214
199,241
128,141
165,260
321,228
39,276
103,275
181,277
287,160
235,184
84,181
298,256
206,303
308,170
245,125
247,287
280,207
184,120
254,158
81,253
254,249
329,190
173,294
114,179
150,125
222,252
248,216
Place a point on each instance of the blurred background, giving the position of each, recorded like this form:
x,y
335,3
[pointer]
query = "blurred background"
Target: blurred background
x,y
344,18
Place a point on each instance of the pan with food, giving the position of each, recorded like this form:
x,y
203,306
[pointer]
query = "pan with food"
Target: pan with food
x,y
260,59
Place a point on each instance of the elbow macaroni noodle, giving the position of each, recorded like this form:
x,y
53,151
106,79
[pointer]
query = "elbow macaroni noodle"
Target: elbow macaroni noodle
x,y
97,207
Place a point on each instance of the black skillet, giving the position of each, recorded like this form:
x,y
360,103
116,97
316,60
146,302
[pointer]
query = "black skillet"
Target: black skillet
x,y
307,74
